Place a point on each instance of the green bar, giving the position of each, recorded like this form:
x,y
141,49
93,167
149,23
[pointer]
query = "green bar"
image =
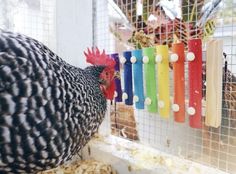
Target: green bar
x,y
150,79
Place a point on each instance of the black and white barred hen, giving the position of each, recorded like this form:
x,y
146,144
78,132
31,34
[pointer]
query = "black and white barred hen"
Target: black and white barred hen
x,y
48,109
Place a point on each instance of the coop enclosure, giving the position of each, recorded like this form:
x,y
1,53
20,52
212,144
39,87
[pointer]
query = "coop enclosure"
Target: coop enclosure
x,y
120,26
129,25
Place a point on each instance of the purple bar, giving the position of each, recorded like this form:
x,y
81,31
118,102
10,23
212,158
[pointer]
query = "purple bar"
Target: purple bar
x,y
115,56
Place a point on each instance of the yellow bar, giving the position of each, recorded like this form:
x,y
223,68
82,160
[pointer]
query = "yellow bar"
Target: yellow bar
x,y
162,59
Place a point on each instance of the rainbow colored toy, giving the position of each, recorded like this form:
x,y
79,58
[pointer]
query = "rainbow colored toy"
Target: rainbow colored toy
x,y
147,81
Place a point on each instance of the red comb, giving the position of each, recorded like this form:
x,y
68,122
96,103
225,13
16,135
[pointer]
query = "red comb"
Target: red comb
x,y
96,58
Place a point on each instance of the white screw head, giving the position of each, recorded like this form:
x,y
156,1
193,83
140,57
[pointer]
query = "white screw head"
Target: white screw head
x,y
133,59
190,56
145,59
174,57
161,104
115,94
124,96
122,60
175,107
148,101
158,58
191,111
135,98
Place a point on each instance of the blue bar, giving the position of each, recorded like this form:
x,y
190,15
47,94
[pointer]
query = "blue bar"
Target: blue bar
x,y
138,78
128,78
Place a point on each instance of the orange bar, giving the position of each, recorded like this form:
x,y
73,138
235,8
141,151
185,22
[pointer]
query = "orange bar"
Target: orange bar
x,y
178,57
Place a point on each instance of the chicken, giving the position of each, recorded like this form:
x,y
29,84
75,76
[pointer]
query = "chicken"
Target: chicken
x,y
48,109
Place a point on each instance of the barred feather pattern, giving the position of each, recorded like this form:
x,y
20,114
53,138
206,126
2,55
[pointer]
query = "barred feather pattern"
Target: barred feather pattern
x,y
48,109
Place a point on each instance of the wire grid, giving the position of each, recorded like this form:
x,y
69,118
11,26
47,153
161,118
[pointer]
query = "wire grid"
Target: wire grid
x,y
114,25
32,18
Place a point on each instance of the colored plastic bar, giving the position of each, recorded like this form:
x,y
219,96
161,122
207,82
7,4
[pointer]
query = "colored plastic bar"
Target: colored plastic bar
x,y
214,64
162,59
150,79
178,58
194,57
118,93
137,61
128,89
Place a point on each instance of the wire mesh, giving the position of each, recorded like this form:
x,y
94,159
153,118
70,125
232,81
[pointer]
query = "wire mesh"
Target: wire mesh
x,y
32,18
122,25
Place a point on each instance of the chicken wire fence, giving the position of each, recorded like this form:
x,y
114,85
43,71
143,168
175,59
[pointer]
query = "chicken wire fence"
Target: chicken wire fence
x,y
32,18
121,25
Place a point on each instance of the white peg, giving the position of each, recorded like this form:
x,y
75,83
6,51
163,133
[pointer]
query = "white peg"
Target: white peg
x,y
191,111
115,94
148,101
190,56
124,96
145,59
135,98
175,107
133,59
174,57
158,58
122,60
161,104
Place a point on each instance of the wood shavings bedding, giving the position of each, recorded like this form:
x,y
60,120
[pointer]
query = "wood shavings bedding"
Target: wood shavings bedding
x,y
82,167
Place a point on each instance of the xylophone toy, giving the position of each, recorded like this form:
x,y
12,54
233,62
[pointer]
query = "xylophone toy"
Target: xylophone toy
x,y
147,81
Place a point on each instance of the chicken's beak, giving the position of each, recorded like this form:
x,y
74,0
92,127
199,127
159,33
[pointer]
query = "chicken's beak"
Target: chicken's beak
x,y
102,81
116,75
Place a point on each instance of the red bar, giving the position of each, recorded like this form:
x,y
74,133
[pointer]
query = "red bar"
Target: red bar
x,y
195,82
179,86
